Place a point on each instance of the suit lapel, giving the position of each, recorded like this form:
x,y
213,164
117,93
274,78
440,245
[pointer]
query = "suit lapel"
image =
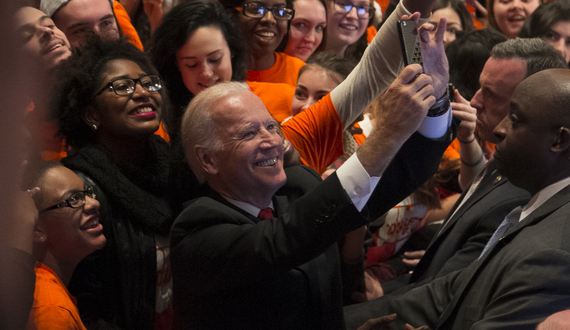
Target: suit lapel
x,y
485,187
216,196
555,202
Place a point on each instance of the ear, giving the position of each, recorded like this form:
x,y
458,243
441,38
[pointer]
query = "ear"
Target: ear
x,y
562,142
90,116
207,160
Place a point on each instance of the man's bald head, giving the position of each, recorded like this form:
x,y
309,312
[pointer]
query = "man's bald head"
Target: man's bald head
x,y
533,151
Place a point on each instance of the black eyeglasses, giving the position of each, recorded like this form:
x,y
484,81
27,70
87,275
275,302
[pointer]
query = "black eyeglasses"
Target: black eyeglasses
x,y
127,86
259,9
77,199
343,6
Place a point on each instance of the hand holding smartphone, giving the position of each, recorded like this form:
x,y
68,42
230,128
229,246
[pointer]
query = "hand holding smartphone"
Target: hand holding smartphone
x,y
410,42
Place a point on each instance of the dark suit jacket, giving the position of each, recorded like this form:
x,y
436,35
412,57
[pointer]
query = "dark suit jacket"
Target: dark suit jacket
x,y
520,281
231,272
457,245
464,235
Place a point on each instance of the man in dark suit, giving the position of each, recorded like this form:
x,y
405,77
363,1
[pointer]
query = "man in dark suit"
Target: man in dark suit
x,y
232,270
483,204
523,275
480,209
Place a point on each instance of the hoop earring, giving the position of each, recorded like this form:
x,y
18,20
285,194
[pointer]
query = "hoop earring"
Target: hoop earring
x,y
94,128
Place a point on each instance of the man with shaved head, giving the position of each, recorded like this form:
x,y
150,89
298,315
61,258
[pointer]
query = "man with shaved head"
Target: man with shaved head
x,y
522,275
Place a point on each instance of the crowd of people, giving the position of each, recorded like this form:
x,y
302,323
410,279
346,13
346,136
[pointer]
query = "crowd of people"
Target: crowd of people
x,y
200,164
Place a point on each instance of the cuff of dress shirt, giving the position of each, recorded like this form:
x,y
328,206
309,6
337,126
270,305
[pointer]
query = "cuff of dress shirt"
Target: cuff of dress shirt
x,y
356,181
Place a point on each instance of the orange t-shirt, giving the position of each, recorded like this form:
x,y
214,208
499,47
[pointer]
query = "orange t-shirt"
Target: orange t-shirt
x,y
317,134
54,307
371,32
125,24
453,150
276,97
285,70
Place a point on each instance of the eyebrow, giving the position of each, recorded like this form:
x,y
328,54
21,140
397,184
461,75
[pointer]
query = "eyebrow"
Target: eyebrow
x,y
193,57
76,25
106,17
31,26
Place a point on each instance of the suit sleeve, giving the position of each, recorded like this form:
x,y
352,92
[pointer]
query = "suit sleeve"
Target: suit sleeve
x,y
416,161
228,249
525,296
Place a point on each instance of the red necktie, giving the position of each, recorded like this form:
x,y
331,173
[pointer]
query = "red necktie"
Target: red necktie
x,y
265,214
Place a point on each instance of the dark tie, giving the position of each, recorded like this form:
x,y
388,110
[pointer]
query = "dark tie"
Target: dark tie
x,y
265,214
510,220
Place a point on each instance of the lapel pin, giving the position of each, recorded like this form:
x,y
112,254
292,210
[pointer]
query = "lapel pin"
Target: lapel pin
x,y
498,179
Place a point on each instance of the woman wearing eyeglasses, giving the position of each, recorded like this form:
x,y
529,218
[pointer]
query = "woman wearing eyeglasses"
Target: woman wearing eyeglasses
x,y
107,104
347,21
265,26
67,230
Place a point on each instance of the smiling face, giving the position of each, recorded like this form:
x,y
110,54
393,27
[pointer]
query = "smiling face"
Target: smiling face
x,y
263,34
344,29
68,233
42,40
558,37
249,167
134,116
312,86
204,60
453,23
510,14
307,28
498,80
80,18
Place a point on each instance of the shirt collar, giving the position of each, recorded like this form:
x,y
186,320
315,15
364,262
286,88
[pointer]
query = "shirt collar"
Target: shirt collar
x,y
251,209
542,196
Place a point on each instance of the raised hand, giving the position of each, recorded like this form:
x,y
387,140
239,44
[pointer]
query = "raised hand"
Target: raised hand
x,y
433,54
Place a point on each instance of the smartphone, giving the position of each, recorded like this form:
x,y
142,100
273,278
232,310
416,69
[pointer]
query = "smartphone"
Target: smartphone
x,y
410,42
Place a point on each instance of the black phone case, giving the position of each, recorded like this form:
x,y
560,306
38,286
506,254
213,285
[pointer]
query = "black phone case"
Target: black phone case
x,y
410,42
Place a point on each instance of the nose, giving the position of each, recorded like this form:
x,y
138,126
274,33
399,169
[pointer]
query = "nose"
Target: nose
x,y
352,13
140,91
46,33
448,37
516,4
476,101
206,71
310,36
268,17
559,46
500,131
270,139
91,204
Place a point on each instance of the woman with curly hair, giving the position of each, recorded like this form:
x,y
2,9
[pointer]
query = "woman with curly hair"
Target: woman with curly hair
x,y
108,102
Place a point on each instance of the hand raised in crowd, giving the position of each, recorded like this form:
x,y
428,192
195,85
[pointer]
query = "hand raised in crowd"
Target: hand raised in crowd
x,y
383,323
406,102
412,258
433,54
468,116
402,109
